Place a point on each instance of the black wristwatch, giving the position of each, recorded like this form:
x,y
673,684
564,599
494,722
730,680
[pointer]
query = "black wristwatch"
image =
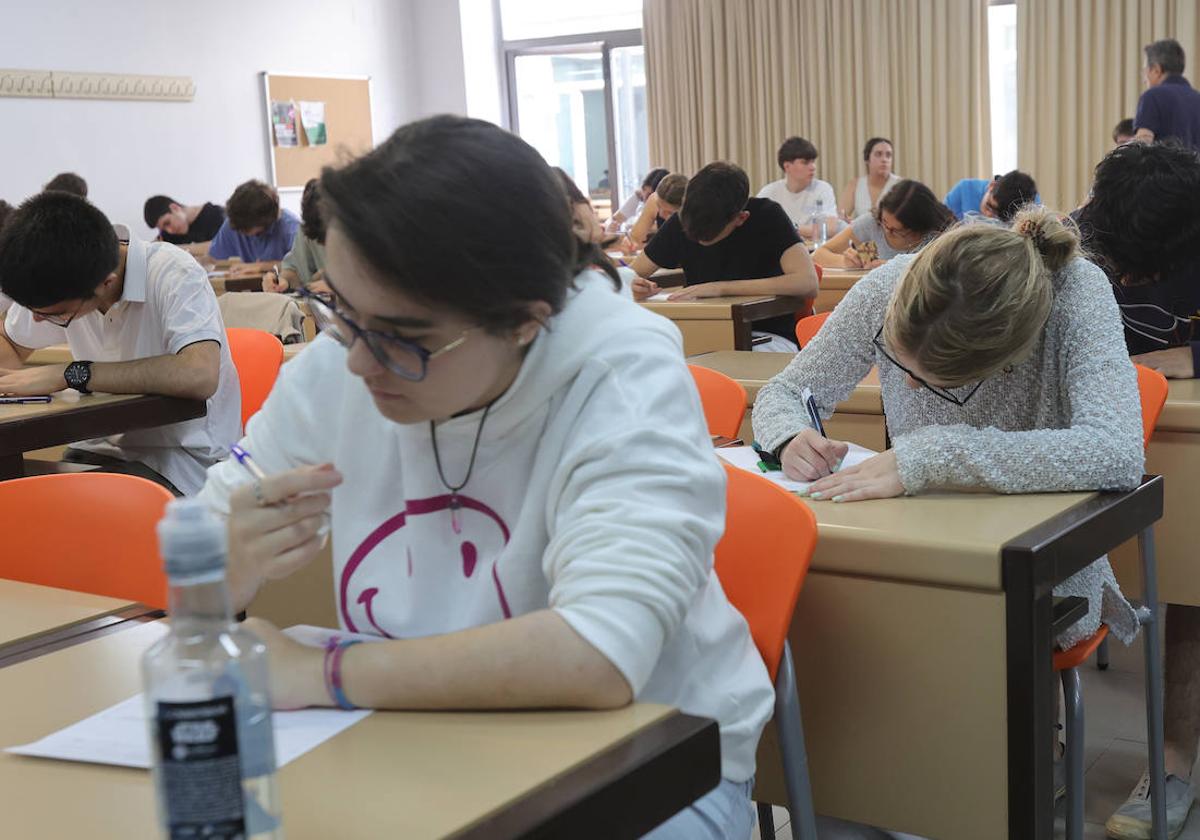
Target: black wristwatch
x,y
78,375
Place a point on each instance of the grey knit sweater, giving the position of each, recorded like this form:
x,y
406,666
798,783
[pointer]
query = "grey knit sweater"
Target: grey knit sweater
x,y
1066,418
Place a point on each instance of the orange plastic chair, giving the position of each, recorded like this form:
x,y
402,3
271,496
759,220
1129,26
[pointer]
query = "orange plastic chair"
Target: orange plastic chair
x,y
110,548
761,561
806,328
1152,389
723,399
257,355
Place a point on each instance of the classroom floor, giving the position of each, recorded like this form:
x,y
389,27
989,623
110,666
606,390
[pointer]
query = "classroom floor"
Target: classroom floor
x,y
1115,752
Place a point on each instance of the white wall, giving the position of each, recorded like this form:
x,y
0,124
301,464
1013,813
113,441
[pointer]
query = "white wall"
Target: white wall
x,y
438,54
200,150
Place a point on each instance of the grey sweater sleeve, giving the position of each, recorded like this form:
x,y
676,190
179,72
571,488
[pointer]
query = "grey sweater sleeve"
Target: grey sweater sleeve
x,y
832,364
1101,444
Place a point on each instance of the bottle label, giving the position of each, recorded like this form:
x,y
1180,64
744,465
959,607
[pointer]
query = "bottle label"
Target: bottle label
x,y
201,775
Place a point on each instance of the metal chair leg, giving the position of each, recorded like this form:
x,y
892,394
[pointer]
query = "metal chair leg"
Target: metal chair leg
x,y
1148,616
790,727
1102,655
766,821
1073,714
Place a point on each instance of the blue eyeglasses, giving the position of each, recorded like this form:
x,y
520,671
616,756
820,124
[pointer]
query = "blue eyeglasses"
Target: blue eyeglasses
x,y
401,357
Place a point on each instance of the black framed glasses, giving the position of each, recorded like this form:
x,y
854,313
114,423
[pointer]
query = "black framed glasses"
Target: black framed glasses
x,y
936,390
401,357
56,320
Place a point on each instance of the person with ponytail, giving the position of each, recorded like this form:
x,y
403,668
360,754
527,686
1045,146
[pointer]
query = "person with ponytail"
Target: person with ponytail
x,y
523,491
1002,367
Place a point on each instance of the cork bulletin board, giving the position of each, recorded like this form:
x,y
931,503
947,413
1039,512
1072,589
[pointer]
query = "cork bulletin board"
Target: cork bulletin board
x,y
347,119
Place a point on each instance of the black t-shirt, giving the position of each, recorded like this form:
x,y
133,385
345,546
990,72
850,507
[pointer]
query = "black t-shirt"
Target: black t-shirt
x,y
750,252
203,229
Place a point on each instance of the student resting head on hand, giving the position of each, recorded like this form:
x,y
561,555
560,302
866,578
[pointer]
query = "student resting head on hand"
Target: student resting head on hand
x,y
1002,367
524,495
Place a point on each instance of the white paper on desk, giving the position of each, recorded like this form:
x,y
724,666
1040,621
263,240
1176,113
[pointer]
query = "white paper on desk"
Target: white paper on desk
x,y
661,296
118,735
747,459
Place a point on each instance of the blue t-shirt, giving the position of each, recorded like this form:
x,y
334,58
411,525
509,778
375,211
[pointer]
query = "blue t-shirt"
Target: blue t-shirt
x,y
1172,109
272,244
966,195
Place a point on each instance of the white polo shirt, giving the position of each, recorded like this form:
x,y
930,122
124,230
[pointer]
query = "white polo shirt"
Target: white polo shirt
x,y
167,304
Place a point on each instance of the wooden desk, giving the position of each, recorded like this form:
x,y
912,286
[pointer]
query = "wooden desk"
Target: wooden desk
x,y
411,775
34,617
858,419
923,645
1174,453
835,282
722,323
241,283
73,417
60,353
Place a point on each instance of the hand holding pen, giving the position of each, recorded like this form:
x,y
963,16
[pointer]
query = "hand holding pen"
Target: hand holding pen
x,y
810,454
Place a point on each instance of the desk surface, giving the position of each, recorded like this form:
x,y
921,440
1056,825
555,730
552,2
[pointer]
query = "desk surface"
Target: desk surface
x,y
394,774
754,370
1182,411
28,610
713,308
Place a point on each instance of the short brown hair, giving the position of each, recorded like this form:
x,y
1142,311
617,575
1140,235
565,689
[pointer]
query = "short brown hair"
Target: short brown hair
x,y
67,182
253,204
716,194
671,189
977,299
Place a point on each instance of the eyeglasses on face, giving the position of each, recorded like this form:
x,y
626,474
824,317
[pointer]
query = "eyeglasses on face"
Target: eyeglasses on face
x,y
401,357
936,390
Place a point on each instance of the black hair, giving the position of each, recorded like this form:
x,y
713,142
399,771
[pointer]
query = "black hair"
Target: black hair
x,y
872,143
916,207
155,208
1143,218
6,209
796,148
67,182
56,247
654,176
714,195
312,223
405,205
1011,192
253,204
1167,54
1123,129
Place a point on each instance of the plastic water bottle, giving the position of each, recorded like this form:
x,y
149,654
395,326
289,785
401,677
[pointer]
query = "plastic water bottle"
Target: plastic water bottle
x,y
819,224
207,696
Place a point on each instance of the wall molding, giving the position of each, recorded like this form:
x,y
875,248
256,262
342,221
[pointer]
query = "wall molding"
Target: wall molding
x,y
65,84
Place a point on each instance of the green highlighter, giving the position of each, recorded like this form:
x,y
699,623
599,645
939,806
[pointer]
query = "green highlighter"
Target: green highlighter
x,y
767,462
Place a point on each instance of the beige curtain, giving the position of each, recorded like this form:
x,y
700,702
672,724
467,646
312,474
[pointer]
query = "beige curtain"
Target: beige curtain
x,y
730,79
1078,74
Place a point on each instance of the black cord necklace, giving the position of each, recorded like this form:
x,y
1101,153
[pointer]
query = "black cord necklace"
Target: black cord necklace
x,y
455,502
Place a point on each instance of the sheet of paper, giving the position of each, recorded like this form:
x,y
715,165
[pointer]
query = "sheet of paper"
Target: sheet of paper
x,y
746,458
661,296
118,735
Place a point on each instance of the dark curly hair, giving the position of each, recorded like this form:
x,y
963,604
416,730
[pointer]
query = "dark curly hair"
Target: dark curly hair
x,y
1143,219
312,223
916,207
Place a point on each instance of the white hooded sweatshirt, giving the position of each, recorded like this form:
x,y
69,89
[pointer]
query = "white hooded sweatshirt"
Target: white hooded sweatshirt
x,y
595,493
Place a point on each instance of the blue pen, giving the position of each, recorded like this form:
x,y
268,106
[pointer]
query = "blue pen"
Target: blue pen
x,y
24,400
814,415
251,466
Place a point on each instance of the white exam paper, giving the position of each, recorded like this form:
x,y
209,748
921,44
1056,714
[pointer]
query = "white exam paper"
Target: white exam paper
x,y
119,735
747,459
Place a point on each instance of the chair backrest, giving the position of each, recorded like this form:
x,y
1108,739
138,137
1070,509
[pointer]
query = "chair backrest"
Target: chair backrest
x,y
1152,387
257,356
723,399
761,561
280,315
88,532
806,328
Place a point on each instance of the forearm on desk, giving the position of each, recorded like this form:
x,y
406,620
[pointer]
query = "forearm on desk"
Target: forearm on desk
x,y
192,373
796,284
533,661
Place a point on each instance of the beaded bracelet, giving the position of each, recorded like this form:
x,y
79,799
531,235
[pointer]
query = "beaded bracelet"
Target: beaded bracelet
x,y
334,649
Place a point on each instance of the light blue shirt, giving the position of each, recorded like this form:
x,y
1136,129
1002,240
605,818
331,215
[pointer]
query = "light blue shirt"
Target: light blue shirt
x,y
272,244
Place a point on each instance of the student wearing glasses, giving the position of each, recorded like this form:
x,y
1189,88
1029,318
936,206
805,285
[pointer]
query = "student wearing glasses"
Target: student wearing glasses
x,y
1002,366
908,217
523,491
140,318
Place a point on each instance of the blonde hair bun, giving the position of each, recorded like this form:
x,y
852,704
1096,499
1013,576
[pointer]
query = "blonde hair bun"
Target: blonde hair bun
x,y
1054,237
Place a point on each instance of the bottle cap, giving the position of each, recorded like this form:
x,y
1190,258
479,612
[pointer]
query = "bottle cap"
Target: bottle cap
x,y
192,540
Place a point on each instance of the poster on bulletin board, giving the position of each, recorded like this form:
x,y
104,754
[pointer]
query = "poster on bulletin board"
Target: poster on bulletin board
x,y
330,120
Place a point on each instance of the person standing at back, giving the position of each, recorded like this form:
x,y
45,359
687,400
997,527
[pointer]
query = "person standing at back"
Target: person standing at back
x,y
1170,106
